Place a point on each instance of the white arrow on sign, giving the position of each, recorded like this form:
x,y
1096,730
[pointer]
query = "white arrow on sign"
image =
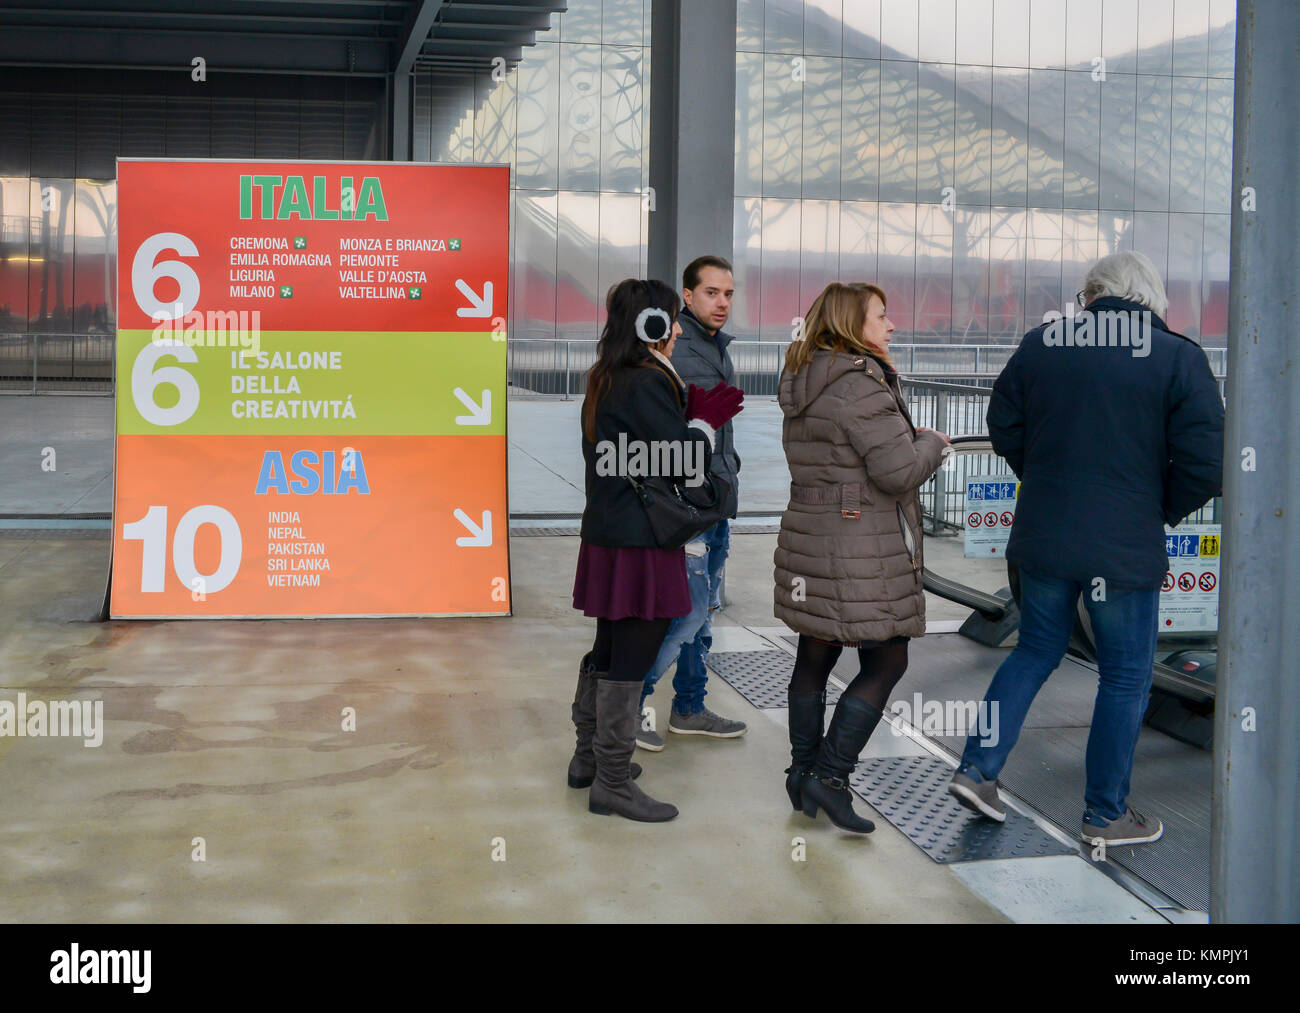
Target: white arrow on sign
x,y
480,414
478,535
480,307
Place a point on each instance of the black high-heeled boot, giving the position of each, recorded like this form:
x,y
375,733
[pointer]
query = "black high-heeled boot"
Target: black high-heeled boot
x,y
828,787
807,713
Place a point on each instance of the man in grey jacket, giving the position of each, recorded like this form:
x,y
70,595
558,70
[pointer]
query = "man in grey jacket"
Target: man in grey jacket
x,y
700,357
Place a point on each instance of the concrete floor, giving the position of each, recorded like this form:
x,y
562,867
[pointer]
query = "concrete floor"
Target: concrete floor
x,y
230,731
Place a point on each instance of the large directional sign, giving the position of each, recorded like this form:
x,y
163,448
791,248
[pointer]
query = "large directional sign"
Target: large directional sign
x,y
311,380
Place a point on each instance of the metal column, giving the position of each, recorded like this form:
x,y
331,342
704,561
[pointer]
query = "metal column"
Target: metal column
x,y
1255,870
410,41
692,134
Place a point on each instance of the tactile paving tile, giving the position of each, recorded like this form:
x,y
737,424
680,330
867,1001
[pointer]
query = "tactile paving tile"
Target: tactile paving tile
x,y
761,677
912,794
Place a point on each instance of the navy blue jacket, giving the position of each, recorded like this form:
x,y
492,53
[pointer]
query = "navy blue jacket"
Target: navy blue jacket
x,y
1109,446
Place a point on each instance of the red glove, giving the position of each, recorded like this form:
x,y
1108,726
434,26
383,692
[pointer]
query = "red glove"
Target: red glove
x,y
717,407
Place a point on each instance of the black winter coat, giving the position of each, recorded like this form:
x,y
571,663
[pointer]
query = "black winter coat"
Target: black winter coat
x,y
643,404
1109,447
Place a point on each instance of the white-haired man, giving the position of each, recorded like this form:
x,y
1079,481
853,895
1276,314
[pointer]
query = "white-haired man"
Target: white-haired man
x,y
1114,425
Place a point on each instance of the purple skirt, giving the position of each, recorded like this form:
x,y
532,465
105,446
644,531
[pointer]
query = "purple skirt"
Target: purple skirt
x,y
631,583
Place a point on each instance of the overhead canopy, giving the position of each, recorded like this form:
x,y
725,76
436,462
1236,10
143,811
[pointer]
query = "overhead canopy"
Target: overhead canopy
x,y
366,38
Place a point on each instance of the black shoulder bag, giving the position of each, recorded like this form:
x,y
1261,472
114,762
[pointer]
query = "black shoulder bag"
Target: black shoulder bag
x,y
675,513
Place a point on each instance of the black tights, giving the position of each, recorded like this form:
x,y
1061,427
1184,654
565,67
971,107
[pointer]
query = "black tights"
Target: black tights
x,y
881,666
626,648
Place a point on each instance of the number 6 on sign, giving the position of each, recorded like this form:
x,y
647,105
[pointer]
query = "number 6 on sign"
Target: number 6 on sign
x,y
145,381
145,274
151,529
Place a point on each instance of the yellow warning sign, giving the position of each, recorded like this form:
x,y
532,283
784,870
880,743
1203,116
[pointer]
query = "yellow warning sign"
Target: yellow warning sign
x,y
1209,545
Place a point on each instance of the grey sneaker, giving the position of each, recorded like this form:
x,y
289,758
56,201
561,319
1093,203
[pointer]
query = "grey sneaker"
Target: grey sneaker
x,y
648,738
1131,828
978,796
652,741
706,723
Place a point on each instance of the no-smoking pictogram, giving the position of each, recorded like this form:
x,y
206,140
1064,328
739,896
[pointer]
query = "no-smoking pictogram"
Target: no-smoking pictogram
x,y
1007,518
974,520
1186,582
991,519
1168,584
1207,581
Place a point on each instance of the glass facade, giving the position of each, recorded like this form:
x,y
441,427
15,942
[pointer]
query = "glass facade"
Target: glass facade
x,y
971,156
974,156
572,121
60,136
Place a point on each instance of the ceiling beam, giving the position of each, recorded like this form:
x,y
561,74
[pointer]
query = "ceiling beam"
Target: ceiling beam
x,y
413,33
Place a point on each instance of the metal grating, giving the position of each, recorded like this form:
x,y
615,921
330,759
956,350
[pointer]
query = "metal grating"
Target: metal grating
x,y
761,677
912,794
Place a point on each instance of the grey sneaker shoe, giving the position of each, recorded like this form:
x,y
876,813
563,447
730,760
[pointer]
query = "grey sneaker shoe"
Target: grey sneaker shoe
x,y
978,796
646,739
1131,828
706,723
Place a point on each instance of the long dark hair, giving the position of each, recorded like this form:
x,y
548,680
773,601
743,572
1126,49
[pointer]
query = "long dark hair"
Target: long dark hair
x,y
619,346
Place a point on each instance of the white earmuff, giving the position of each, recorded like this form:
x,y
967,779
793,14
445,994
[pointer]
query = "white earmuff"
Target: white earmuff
x,y
644,328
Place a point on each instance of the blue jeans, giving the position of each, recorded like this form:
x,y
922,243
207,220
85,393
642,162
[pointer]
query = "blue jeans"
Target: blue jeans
x,y
1125,627
689,637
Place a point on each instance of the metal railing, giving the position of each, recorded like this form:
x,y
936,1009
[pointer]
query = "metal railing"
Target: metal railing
x,y
546,367
553,368
556,367
57,363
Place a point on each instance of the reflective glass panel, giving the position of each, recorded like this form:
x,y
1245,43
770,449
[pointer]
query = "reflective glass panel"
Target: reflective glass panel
x,y
622,102
783,26
860,160
819,248
859,226
782,126
1183,284
822,110
15,227
937,24
823,27
779,300
862,29
898,130
94,281
1082,139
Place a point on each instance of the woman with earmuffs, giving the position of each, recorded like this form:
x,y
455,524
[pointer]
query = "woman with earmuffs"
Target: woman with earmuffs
x,y
632,588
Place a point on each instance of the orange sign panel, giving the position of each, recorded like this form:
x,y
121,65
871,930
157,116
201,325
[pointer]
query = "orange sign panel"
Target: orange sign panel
x,y
311,390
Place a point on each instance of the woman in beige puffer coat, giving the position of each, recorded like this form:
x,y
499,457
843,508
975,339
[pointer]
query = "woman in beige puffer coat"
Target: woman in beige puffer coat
x,y
848,558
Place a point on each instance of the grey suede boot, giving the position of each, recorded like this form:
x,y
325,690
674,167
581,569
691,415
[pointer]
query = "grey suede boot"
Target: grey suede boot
x,y
618,709
582,768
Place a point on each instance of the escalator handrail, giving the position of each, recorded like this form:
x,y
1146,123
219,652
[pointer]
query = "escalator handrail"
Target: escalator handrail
x,y
990,606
